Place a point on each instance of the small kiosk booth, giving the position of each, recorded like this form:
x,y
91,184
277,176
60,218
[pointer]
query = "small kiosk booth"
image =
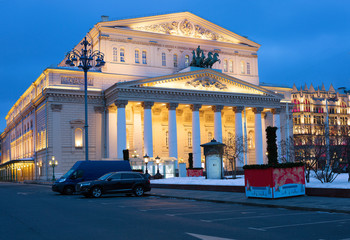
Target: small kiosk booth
x,y
213,152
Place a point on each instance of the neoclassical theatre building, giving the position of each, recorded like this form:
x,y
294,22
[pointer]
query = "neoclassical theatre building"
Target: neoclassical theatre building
x,y
146,98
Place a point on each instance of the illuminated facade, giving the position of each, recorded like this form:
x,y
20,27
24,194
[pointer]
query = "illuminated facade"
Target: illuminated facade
x,y
310,116
146,98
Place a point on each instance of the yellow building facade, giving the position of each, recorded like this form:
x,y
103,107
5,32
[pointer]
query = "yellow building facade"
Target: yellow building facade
x,y
147,99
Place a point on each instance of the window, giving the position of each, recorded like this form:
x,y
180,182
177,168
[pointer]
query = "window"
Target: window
x,y
137,56
175,60
225,65
144,57
296,105
163,59
248,68
230,66
307,106
242,67
115,54
189,139
122,56
115,176
187,61
167,138
210,136
78,137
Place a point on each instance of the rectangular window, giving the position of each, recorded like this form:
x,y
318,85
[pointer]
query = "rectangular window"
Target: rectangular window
x,y
187,61
248,68
230,66
137,56
225,65
144,57
242,67
122,56
175,60
189,139
163,59
115,54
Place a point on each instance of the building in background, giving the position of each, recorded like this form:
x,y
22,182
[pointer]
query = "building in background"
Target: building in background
x,y
147,98
311,108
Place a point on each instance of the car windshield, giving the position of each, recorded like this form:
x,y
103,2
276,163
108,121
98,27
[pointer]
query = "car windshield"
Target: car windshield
x,y
104,177
68,173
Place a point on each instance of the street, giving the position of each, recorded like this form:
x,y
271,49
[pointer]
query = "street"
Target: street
x,y
35,212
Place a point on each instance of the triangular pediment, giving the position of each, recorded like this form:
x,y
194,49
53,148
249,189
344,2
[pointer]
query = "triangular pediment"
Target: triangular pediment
x,y
200,80
184,24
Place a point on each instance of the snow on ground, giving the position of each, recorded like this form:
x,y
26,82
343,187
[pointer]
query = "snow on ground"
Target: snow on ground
x,y
340,182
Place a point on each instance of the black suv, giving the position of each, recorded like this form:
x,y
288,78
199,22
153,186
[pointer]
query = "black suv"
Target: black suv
x,y
116,182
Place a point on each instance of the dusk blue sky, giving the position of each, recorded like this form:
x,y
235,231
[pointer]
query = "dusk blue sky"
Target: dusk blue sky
x,y
302,41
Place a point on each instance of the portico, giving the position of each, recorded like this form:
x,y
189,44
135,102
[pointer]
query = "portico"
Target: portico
x,y
171,118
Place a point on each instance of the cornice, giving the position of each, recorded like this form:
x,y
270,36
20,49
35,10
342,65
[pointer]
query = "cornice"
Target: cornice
x,y
191,97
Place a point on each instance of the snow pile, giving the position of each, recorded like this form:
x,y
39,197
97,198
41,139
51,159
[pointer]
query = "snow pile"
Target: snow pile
x,y
340,182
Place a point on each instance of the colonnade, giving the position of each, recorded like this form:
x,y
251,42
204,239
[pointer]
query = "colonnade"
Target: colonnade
x,y
117,129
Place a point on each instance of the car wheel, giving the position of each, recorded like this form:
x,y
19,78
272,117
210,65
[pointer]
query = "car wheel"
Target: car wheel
x,y
139,191
96,192
69,190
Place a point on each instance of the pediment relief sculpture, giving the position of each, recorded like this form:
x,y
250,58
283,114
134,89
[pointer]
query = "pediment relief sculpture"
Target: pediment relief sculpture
x,y
207,83
184,28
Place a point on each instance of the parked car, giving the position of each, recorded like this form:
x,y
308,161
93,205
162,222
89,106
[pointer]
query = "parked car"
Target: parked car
x,y
116,182
87,171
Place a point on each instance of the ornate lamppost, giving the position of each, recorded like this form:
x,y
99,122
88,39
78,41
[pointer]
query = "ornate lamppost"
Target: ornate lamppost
x,y
86,59
146,159
53,163
158,175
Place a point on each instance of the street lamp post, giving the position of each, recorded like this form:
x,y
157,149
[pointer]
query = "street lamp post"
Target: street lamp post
x,y
86,58
53,163
158,175
146,159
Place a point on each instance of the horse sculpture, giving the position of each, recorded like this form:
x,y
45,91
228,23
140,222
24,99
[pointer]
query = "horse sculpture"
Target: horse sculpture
x,y
199,60
214,60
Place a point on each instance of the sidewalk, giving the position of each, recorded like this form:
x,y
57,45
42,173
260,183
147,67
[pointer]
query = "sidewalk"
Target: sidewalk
x,y
306,203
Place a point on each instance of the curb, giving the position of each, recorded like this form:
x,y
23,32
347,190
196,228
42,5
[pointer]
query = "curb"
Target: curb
x,y
254,204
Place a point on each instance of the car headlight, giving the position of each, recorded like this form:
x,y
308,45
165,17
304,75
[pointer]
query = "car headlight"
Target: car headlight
x,y
62,180
85,184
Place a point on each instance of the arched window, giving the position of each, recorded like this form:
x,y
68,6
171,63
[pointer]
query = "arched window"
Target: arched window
x,y
230,66
137,56
115,54
78,138
242,67
307,106
248,68
189,139
144,57
167,138
187,61
175,60
210,136
163,59
122,55
225,65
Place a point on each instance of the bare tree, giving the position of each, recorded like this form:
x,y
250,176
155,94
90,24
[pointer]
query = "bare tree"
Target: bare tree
x,y
287,150
234,152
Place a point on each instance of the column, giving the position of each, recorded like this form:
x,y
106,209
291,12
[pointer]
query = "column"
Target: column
x,y
172,130
121,127
276,123
99,132
258,136
137,136
217,122
196,136
239,131
147,129
112,132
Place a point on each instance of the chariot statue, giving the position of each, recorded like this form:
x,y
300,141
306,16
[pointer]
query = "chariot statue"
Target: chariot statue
x,y
199,59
